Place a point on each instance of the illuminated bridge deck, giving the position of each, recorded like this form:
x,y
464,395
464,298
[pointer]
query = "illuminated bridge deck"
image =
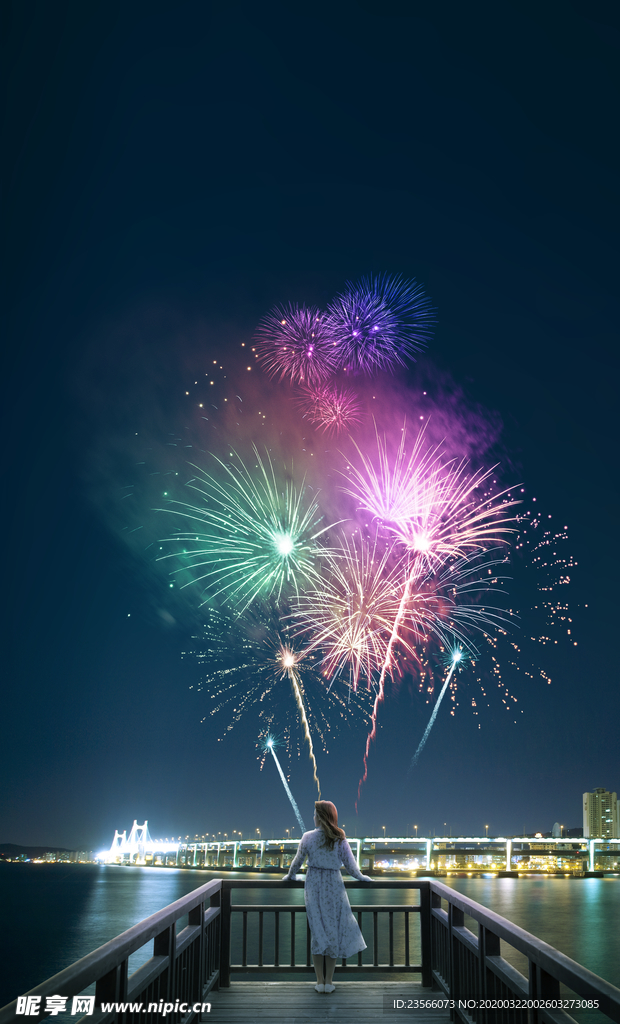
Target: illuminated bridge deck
x,y
286,1002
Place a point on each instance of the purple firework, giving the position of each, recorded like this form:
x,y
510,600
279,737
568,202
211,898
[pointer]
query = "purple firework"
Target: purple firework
x,y
379,323
294,342
331,408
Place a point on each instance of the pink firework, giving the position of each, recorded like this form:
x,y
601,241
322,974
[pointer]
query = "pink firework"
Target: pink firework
x,y
436,508
331,408
294,342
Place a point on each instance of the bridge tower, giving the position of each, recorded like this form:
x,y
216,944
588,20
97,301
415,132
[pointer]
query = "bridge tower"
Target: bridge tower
x,y
138,840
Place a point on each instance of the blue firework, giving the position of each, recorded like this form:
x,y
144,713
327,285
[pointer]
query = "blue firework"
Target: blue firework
x,y
379,323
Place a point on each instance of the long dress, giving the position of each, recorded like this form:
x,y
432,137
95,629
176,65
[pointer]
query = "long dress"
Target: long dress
x,y
335,932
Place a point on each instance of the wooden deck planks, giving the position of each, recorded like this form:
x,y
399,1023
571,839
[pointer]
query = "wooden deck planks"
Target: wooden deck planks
x,y
296,1002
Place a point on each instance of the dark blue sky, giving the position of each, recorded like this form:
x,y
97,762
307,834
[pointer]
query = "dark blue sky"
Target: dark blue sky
x,y
175,165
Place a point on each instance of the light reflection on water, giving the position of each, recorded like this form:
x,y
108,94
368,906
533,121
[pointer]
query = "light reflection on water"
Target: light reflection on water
x,y
579,916
51,915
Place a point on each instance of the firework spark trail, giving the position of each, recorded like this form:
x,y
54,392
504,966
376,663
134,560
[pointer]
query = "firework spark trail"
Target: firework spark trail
x,y
289,664
286,787
431,604
456,657
387,664
397,488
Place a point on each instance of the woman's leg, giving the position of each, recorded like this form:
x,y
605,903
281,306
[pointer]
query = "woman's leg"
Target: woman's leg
x,y
318,967
330,963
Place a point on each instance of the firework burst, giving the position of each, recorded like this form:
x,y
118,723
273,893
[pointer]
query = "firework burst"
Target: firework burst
x,y
251,665
331,408
379,323
295,343
437,509
254,536
349,617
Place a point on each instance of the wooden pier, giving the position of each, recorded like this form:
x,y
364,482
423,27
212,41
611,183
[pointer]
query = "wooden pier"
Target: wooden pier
x,y
252,962
296,1002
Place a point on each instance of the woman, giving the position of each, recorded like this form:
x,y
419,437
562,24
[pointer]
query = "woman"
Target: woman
x,y
335,932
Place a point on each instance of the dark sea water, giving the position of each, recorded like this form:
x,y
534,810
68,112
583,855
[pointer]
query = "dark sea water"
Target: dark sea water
x,y
53,914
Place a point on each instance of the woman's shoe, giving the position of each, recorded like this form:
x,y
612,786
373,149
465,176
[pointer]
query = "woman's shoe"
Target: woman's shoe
x,y
320,988
329,988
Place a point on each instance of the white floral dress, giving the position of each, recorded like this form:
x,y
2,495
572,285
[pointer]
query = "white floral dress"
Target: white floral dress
x,y
335,932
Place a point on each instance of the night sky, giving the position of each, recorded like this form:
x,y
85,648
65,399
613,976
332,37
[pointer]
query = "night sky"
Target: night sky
x,y
173,171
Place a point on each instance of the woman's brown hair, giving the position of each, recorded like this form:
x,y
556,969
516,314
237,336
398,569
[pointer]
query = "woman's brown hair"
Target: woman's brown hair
x,y
327,819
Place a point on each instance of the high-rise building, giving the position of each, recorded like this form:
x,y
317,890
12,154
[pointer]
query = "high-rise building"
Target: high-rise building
x,y
600,815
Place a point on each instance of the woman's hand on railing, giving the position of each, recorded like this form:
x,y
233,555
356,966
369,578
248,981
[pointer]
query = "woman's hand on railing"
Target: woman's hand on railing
x,y
366,878
291,878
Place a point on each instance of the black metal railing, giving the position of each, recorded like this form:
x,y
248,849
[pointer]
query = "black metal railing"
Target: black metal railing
x,y
223,939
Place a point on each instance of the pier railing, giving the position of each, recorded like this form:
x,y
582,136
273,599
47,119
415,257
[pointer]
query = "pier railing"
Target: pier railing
x,y
183,969
271,937
469,968
224,940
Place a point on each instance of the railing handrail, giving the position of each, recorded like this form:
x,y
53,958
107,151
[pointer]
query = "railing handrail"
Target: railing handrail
x,y
300,908
559,965
90,968
377,883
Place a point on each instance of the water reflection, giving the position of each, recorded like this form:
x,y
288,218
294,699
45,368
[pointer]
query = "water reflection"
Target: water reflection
x,y
578,916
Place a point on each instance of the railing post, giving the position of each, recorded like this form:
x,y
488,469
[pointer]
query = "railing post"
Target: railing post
x,y
225,935
456,919
164,944
425,929
197,916
215,954
112,987
435,904
541,985
488,945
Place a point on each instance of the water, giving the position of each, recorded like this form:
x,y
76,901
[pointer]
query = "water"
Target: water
x,y
52,914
